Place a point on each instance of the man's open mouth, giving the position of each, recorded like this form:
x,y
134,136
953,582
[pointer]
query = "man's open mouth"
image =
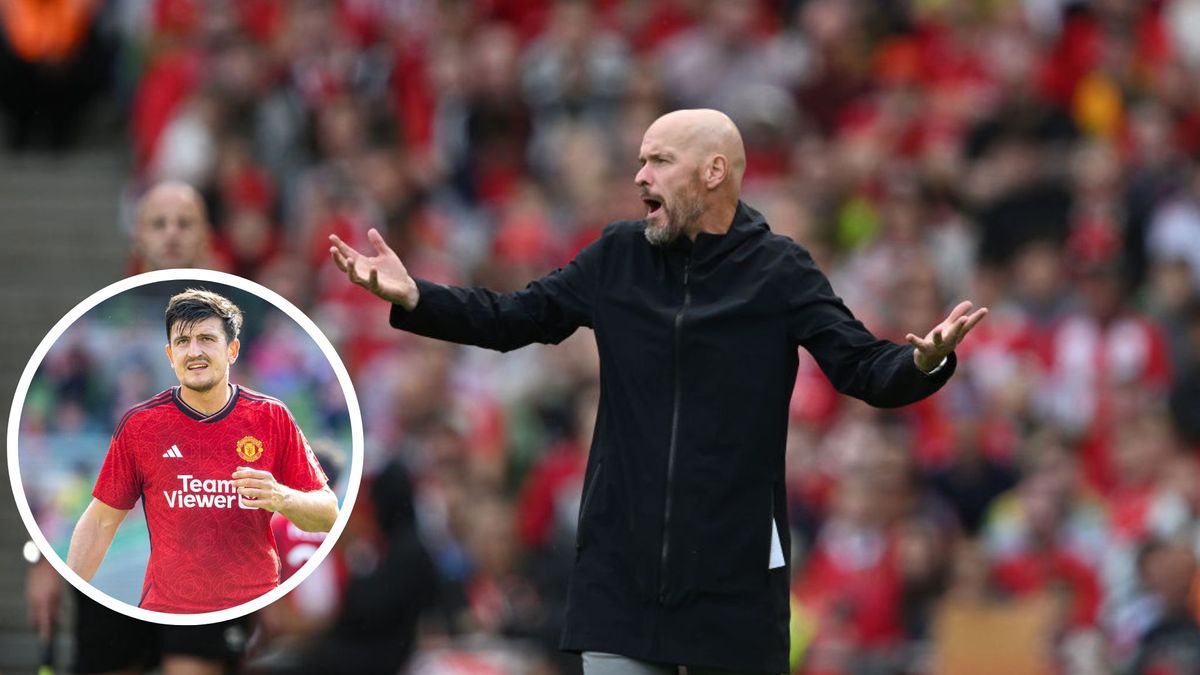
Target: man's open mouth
x,y
652,205
197,366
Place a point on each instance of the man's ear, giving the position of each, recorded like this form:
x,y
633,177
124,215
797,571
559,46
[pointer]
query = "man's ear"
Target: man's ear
x,y
716,172
234,348
170,356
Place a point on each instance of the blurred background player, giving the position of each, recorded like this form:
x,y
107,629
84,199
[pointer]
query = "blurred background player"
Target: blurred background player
x,y
368,622
171,229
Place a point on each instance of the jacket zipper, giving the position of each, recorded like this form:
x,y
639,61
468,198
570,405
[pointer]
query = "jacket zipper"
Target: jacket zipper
x,y
687,299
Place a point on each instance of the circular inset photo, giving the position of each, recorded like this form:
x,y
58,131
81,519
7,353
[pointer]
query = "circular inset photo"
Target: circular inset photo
x,y
185,446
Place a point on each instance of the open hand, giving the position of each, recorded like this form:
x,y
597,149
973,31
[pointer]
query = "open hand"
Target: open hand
x,y
937,345
383,274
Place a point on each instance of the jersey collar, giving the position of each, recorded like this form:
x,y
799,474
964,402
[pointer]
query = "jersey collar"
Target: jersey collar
x,y
199,416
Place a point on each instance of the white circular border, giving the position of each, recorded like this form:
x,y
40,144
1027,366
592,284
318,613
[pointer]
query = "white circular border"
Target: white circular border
x,y
356,445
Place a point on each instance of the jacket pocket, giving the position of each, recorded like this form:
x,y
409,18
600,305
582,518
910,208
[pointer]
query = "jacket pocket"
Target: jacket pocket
x,y
734,551
588,493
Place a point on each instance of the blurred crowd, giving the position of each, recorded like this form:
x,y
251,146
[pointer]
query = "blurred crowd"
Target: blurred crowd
x,y
1040,157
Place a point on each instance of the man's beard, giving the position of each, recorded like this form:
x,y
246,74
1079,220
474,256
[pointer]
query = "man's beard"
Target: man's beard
x,y
691,207
205,386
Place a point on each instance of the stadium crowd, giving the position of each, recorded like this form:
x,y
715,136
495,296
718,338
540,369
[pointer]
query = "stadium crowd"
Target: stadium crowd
x,y
1041,157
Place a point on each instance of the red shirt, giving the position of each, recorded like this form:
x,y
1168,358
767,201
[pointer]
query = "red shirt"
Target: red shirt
x,y
295,546
1036,572
207,552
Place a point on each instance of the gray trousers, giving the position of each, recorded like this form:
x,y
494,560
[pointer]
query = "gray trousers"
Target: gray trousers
x,y
600,663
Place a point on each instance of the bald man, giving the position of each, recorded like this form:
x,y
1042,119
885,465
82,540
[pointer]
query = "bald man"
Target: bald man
x,y
172,228
698,310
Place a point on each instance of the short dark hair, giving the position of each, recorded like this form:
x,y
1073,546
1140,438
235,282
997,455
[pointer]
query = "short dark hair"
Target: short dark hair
x,y
197,304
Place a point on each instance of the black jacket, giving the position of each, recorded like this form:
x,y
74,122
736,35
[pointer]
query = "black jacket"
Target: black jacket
x,y
698,355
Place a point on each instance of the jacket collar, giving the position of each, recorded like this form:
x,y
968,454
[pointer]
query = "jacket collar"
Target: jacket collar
x,y
234,392
746,223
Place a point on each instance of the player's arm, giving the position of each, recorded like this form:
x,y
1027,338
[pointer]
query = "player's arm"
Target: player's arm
x,y
548,310
92,537
313,511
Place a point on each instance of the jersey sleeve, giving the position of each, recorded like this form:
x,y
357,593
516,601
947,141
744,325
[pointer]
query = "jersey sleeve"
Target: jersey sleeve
x,y
300,469
120,483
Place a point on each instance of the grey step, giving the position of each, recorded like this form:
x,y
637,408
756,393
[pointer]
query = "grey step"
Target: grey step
x,y
34,185
76,166
79,262
17,654
25,202
43,307
34,182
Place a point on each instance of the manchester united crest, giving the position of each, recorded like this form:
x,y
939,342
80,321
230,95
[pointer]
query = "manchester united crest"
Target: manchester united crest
x,y
249,448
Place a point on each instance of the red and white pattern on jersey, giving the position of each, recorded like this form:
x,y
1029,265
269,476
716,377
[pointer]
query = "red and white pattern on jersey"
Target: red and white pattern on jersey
x,y
207,552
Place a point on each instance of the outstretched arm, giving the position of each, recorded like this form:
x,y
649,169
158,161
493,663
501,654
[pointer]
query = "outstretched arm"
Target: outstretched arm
x,y
547,310
314,511
92,537
879,372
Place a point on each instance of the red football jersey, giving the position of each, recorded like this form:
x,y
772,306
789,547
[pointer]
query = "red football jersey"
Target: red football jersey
x,y
207,551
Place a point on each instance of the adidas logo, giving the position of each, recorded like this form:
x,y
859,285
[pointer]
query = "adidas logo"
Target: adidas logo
x,y
173,452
